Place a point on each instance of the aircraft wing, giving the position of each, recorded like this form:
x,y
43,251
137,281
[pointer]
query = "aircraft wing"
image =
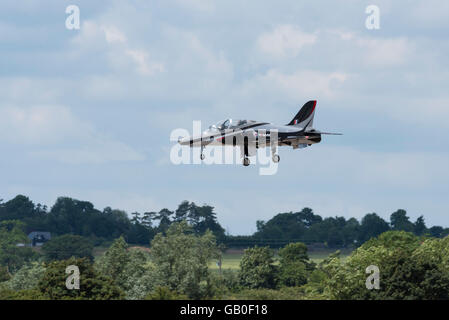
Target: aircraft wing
x,y
331,133
320,132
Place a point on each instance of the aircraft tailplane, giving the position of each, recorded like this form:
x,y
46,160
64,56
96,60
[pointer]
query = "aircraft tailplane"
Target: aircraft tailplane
x,y
304,118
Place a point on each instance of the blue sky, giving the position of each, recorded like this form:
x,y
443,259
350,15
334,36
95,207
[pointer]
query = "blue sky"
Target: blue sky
x,y
88,113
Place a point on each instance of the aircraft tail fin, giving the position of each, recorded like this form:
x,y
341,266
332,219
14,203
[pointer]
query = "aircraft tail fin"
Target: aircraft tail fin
x,y
304,118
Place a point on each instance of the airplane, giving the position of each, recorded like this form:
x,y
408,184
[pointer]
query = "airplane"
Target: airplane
x,y
298,133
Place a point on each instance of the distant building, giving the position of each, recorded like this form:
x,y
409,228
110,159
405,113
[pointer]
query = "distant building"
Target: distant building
x,y
38,238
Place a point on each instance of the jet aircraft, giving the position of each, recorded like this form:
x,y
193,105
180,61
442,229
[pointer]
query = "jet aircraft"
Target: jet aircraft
x,y
250,135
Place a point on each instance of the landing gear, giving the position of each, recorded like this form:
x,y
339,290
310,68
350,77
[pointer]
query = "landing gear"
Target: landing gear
x,y
202,156
245,151
275,157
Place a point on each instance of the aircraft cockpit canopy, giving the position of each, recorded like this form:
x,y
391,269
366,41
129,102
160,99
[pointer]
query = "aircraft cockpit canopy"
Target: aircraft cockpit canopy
x,y
228,124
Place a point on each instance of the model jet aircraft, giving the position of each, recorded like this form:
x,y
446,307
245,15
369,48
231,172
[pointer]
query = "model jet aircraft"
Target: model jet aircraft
x,y
250,135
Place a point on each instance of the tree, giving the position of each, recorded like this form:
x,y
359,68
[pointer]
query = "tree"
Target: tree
x,y
201,218
371,226
12,256
351,232
114,260
436,231
408,268
20,207
257,269
139,234
66,246
293,274
400,221
204,218
294,264
139,276
181,259
93,285
419,226
283,226
164,217
81,218
294,252
308,218
130,269
27,277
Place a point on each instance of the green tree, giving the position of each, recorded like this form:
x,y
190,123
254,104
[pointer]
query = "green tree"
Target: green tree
x,y
130,269
181,259
114,260
257,269
27,277
294,252
436,231
93,285
139,276
419,227
408,268
66,246
371,226
4,274
400,221
12,256
294,264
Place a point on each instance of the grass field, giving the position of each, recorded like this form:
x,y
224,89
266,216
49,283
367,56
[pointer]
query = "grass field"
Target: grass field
x,y
231,259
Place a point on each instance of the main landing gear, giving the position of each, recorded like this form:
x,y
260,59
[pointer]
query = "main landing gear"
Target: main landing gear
x,y
202,156
275,157
246,161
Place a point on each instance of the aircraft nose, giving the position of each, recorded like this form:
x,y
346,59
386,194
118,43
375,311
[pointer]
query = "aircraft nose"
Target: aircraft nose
x,y
184,141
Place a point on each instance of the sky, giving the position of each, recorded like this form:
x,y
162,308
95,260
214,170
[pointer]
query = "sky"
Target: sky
x,y
87,113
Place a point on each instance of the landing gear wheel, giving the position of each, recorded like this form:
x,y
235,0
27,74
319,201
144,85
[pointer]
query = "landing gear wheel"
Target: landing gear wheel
x,y
276,158
202,156
246,162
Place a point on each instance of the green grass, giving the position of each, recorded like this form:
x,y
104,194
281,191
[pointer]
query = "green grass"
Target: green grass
x,y
229,261
320,255
232,260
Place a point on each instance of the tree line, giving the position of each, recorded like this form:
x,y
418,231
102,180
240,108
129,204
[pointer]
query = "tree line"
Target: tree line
x,y
177,266
71,216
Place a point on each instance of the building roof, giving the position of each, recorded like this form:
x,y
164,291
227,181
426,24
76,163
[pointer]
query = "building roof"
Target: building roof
x,y
44,234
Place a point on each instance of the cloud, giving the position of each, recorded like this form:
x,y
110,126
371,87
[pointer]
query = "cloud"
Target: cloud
x,y
384,171
113,34
297,85
144,67
110,41
380,52
285,41
431,112
54,132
